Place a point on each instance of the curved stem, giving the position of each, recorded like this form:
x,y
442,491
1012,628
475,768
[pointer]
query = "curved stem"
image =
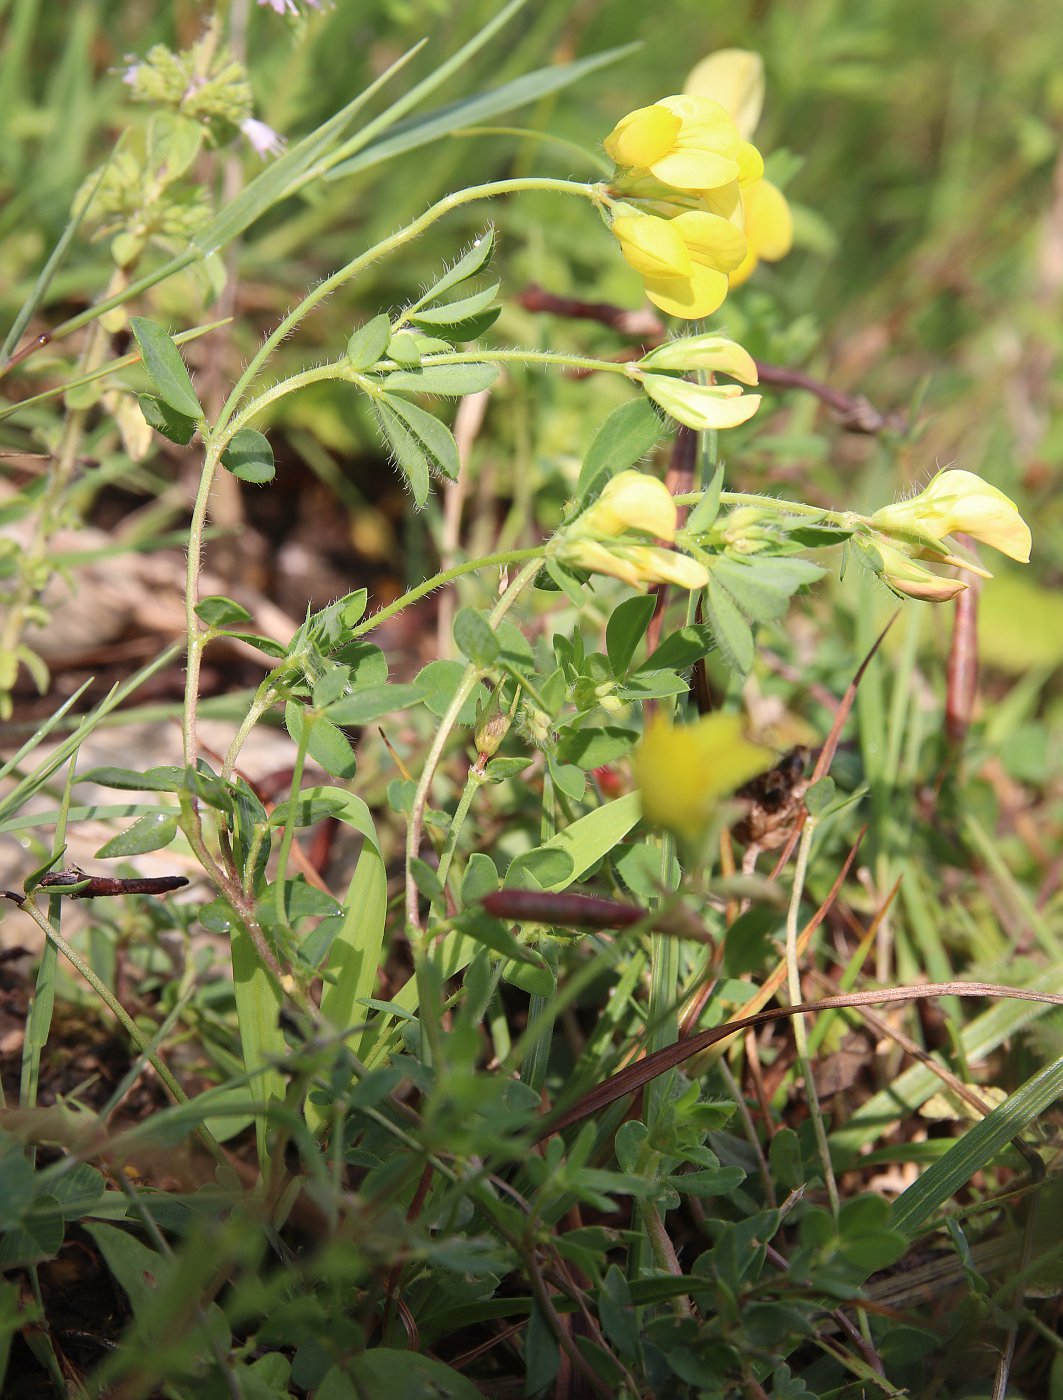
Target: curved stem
x,y
388,245
195,638
775,503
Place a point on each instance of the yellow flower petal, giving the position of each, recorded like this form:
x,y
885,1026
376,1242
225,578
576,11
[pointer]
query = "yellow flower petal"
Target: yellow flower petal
x,y
683,771
690,298
750,164
632,501
643,136
769,222
710,240
735,79
959,502
652,246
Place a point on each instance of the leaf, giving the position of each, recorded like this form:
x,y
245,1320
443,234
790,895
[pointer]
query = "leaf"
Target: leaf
x,y
468,265
148,833
368,343
625,630
324,742
249,457
437,683
372,702
975,1150
435,438
730,629
406,450
590,838
493,934
164,779
401,1375
449,381
679,651
591,748
473,634
165,367
627,434
454,312
177,427
218,611
474,111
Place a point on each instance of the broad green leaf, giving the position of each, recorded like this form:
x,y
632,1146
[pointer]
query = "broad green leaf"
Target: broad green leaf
x,y
249,457
652,685
176,427
480,878
385,1372
449,381
624,438
590,838
437,683
218,611
368,343
404,347
474,636
407,451
324,742
148,833
625,629
16,1182
590,748
372,702
434,437
680,650
165,367
165,779
494,934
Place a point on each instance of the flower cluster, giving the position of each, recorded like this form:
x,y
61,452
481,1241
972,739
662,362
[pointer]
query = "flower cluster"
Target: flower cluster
x,y
894,539
607,538
694,213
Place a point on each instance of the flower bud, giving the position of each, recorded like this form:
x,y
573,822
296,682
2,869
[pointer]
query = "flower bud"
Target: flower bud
x,y
710,352
704,407
492,722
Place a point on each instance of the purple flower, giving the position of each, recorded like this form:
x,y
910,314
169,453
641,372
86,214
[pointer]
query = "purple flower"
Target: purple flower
x,y
265,140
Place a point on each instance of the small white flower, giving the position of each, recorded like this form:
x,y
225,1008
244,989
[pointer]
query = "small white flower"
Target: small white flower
x,y
265,140
129,77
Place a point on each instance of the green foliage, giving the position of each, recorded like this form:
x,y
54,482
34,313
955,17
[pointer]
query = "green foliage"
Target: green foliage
x,y
385,989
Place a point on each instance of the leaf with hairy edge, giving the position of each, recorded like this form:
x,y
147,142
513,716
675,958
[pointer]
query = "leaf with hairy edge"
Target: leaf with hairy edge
x,y
627,435
449,381
407,451
165,367
434,437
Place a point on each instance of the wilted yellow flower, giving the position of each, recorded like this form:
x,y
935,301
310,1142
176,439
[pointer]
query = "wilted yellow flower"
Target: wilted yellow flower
x,y
683,261
734,78
959,502
899,571
632,501
683,771
686,141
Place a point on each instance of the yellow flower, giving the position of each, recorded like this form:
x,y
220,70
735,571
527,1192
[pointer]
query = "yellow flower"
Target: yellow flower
x,y
632,501
683,261
959,502
630,504
687,142
734,78
704,407
683,772
637,564
769,228
900,572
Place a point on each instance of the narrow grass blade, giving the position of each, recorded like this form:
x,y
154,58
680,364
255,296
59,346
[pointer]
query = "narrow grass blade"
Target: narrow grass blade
x,y
976,1149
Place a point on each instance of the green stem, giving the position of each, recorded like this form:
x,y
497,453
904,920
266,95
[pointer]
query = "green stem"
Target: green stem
x,y
473,784
793,987
414,595
386,246
841,518
196,637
